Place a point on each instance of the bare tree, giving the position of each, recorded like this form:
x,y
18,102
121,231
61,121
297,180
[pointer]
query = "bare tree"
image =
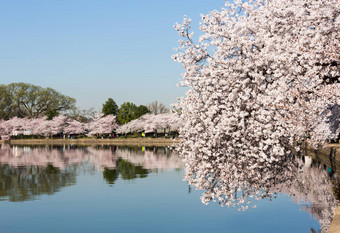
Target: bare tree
x,y
157,108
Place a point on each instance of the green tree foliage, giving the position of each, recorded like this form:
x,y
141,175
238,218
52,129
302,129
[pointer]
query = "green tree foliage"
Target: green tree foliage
x,y
126,170
28,182
110,175
127,112
5,103
129,171
141,110
110,107
28,100
50,113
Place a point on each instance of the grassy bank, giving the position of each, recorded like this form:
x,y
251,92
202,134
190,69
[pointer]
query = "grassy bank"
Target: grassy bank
x,y
90,141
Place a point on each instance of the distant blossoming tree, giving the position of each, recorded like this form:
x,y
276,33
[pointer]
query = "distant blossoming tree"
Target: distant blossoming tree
x,y
74,127
102,125
151,123
52,127
41,126
263,75
32,125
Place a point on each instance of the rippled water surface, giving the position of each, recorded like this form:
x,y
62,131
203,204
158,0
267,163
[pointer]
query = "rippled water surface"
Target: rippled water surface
x,y
134,189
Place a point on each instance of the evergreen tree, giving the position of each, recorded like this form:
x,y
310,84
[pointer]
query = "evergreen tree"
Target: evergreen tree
x,y
110,107
127,112
141,110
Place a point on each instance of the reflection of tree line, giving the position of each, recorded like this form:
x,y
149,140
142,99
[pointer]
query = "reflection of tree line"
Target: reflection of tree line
x,y
126,170
26,183
26,172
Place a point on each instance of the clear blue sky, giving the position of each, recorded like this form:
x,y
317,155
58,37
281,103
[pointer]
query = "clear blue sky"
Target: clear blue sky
x,y
95,49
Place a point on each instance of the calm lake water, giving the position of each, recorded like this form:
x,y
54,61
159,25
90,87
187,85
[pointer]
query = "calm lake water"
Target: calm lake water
x,y
135,189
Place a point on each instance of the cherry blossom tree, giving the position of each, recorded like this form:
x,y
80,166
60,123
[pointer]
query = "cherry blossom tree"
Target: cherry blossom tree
x,y
263,76
165,121
32,125
61,125
131,127
40,126
102,125
151,123
5,131
52,127
74,127
260,78
13,126
123,129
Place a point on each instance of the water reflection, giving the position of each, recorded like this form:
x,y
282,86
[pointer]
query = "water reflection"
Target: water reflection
x,y
28,182
26,172
100,156
29,171
309,182
312,187
126,170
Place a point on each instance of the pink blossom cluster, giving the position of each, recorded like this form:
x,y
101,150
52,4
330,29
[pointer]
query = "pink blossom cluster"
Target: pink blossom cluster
x,y
102,125
59,125
149,123
263,76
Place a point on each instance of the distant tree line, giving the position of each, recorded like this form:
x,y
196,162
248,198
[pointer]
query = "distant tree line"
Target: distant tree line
x,y
25,100
62,126
129,111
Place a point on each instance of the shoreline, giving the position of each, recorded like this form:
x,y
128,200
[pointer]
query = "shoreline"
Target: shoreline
x,y
91,141
335,224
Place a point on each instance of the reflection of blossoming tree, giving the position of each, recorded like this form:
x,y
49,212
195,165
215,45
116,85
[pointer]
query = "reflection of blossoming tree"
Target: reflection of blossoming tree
x,y
232,186
61,157
311,186
37,166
